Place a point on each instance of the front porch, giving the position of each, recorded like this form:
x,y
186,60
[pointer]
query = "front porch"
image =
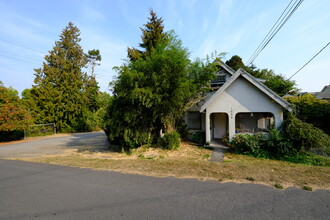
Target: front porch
x,y
220,125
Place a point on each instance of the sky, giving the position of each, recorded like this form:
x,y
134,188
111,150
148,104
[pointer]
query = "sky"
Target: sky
x,y
29,29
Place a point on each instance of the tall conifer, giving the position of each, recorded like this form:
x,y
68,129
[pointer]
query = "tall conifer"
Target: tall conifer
x,y
59,89
152,34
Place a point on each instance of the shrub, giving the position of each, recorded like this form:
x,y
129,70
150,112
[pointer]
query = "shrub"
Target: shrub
x,y
170,140
277,145
309,109
291,147
305,136
250,144
199,138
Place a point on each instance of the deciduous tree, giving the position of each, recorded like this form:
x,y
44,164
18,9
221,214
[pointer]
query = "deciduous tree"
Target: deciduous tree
x,y
13,115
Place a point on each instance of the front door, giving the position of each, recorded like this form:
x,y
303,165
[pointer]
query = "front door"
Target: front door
x,y
219,125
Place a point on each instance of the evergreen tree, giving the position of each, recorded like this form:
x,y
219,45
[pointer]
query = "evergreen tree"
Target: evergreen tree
x,y
93,58
91,85
29,102
60,85
235,62
152,34
153,90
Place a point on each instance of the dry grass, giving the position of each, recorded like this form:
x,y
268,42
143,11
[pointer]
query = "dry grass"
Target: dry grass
x,y
191,161
35,138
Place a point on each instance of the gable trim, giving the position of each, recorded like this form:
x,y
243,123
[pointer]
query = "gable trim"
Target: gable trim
x,y
226,67
252,80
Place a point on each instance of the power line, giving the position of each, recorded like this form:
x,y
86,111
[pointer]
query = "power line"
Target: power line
x,y
286,17
310,60
275,29
270,31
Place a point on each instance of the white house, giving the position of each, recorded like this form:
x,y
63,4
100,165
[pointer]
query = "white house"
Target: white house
x,y
238,103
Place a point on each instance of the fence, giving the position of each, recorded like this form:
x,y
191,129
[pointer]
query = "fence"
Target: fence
x,y
40,130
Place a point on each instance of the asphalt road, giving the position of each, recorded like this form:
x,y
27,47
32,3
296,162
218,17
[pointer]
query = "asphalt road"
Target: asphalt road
x,y
43,191
55,145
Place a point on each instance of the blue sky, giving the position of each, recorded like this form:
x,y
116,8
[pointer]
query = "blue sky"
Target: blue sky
x,y
29,30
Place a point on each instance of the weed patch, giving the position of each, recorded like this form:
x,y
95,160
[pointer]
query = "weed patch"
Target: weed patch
x,y
278,186
307,188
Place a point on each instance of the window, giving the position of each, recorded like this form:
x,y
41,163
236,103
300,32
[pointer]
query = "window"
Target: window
x,y
221,78
218,81
254,122
194,120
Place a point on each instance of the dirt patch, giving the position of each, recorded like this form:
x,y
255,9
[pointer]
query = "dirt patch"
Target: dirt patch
x,y
191,161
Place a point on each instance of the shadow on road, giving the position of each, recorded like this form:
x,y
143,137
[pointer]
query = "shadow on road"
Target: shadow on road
x,y
94,141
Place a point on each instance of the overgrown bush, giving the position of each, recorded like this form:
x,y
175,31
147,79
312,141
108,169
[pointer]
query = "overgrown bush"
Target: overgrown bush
x,y
277,144
250,145
305,136
292,147
170,140
199,138
308,109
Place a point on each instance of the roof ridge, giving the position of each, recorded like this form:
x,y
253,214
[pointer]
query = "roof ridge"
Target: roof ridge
x,y
252,80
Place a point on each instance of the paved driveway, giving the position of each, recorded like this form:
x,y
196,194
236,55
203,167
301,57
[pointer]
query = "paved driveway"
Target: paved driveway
x,y
43,191
55,145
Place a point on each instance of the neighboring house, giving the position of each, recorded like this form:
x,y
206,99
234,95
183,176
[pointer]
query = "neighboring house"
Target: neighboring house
x,y
324,94
238,103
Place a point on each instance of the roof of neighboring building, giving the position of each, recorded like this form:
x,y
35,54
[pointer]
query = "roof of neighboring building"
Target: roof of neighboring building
x,y
322,95
326,89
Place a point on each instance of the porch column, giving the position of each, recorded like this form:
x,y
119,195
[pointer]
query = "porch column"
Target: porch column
x,y
207,127
278,116
231,125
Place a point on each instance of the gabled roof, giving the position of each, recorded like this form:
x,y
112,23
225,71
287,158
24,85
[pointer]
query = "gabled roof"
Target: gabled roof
x,y
225,66
326,89
231,71
253,81
322,95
